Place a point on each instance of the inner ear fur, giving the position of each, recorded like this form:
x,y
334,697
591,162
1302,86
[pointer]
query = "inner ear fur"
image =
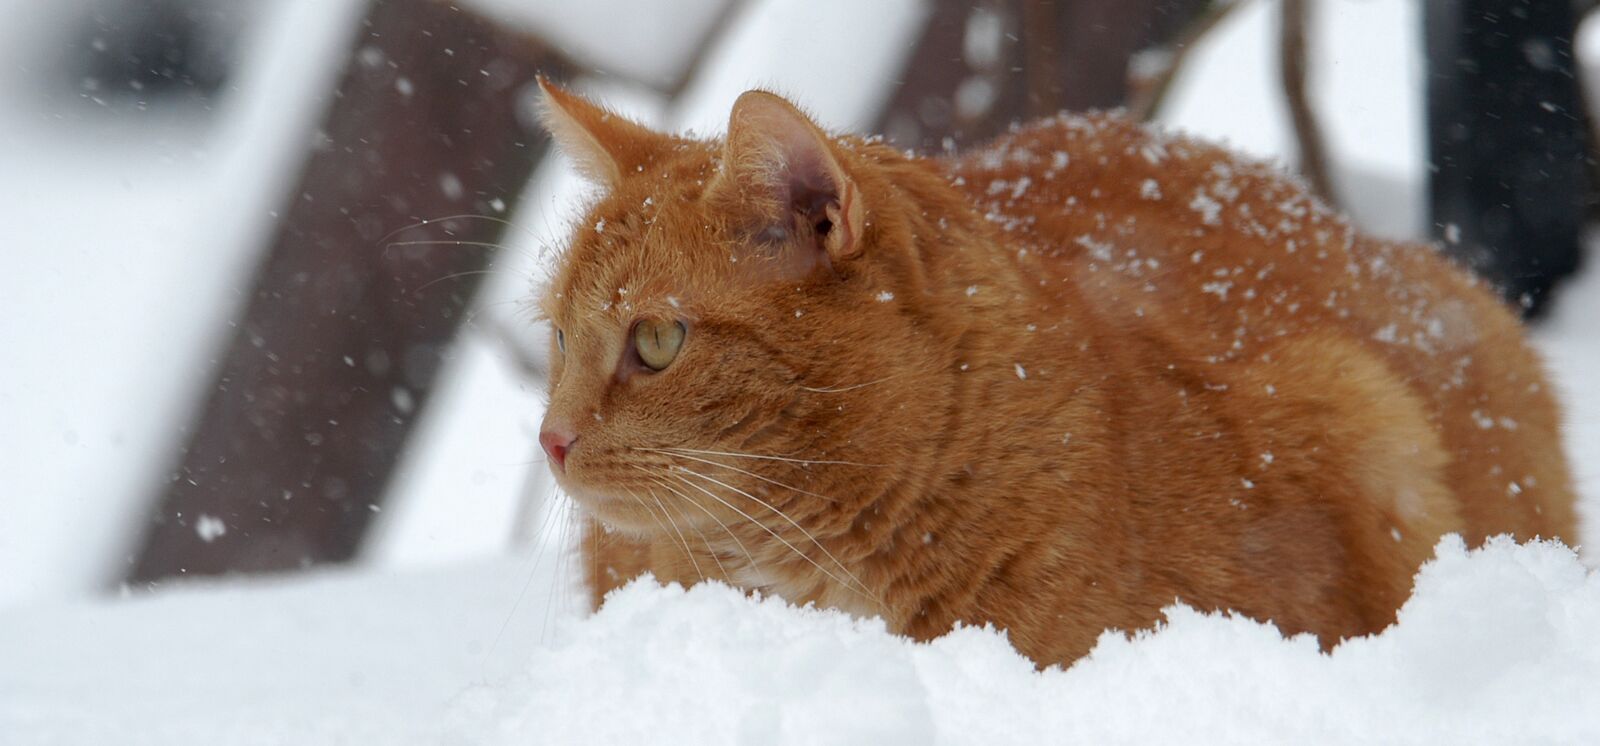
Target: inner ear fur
x,y
779,157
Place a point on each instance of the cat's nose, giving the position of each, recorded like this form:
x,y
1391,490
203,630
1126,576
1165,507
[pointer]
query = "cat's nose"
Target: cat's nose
x,y
557,441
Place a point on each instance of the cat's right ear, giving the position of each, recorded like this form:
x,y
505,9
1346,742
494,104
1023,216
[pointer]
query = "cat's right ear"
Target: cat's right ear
x,y
603,145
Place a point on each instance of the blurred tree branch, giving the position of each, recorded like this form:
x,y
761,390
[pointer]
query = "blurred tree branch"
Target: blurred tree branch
x,y
1295,22
1152,71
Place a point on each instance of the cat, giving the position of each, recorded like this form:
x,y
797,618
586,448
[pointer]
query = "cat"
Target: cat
x,y
1053,384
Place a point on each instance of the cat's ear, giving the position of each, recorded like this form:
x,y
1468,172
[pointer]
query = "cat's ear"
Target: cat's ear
x,y
603,145
777,155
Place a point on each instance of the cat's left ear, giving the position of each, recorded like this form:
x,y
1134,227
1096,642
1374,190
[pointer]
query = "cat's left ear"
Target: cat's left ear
x,y
777,155
605,146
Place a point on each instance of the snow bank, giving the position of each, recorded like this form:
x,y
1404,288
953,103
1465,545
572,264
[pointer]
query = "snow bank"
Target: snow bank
x,y
1500,645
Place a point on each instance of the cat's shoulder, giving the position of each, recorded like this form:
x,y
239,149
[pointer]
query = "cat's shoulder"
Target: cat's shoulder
x,y
1084,139
1105,164
1098,142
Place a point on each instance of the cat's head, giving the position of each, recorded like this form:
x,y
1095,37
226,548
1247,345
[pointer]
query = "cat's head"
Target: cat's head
x,y
736,325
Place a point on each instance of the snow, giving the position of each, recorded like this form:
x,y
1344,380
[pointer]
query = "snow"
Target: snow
x,y
109,218
1365,83
1571,350
346,657
1499,645
842,78
210,528
1208,208
618,36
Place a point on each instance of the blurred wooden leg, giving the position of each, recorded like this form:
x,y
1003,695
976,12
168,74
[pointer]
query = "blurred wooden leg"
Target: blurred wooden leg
x,y
350,313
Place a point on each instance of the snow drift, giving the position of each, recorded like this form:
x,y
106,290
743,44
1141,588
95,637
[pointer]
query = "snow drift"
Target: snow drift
x,y
1498,645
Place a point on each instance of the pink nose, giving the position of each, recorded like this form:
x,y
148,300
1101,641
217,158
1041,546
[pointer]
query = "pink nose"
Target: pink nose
x,y
556,441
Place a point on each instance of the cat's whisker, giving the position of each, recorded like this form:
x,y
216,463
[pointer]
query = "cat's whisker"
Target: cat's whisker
x,y
646,508
713,516
558,589
452,276
721,568
766,528
696,503
785,516
842,389
659,524
696,529
448,242
744,472
552,509
687,550
768,458
465,216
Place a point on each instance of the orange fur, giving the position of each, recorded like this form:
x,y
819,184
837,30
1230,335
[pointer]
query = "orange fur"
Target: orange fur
x,y
1053,384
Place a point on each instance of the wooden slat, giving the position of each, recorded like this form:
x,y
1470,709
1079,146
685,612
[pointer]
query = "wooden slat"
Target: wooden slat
x,y
342,336
1071,54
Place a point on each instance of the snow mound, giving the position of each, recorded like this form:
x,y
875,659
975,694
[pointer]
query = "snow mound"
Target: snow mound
x,y
1497,645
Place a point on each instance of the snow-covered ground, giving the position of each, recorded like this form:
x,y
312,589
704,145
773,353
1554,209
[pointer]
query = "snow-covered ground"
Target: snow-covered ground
x,y
439,636
1498,646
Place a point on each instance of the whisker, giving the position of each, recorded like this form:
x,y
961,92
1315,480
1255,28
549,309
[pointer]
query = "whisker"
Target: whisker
x,y
746,473
593,551
785,516
713,516
726,577
703,540
447,242
764,527
527,582
767,458
452,276
465,216
842,389
687,551
558,587
646,508
522,522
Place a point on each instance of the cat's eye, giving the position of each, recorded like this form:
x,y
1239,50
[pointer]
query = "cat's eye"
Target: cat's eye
x,y
561,341
657,341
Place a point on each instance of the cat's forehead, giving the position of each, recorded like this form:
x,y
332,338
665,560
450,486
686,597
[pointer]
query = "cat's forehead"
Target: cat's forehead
x,y
648,241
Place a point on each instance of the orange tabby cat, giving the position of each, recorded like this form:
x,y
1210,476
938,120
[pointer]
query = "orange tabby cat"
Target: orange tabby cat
x,y
1053,384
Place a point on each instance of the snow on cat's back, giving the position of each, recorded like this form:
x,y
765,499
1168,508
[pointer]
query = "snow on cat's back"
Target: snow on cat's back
x,y
1235,257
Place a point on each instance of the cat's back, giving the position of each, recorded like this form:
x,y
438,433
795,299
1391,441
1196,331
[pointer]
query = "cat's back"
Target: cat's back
x,y
1231,260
